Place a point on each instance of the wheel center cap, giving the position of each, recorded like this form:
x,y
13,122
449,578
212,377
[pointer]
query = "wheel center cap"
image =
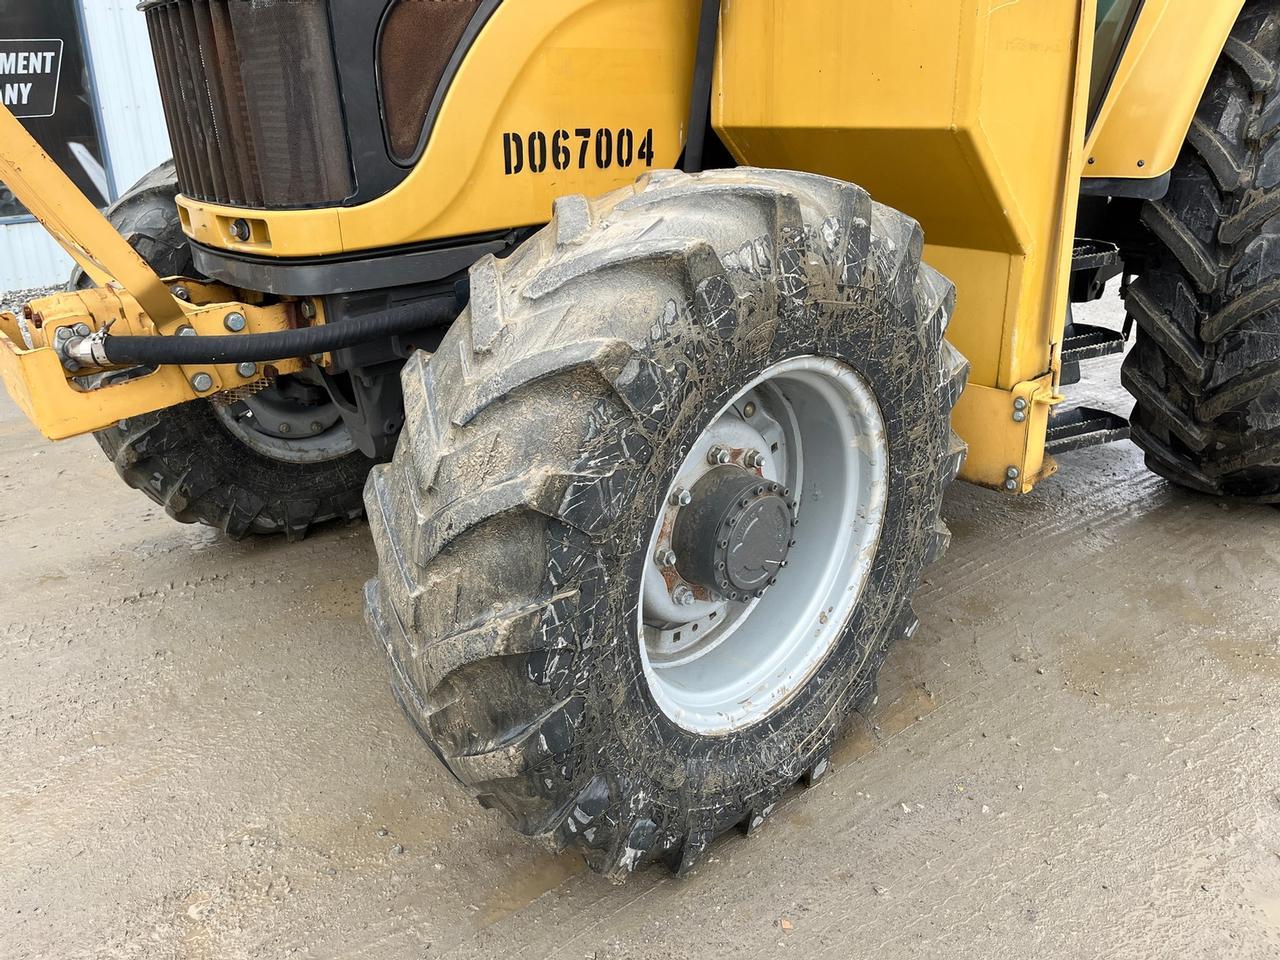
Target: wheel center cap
x,y
735,534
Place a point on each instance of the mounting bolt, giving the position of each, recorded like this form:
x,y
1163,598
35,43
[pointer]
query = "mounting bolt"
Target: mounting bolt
x,y
186,330
234,322
202,383
666,557
683,596
317,426
1020,404
307,309
749,410
1013,473
680,497
753,460
64,333
71,366
1019,416
286,428
1011,485
247,369
718,456
83,330
180,292
240,230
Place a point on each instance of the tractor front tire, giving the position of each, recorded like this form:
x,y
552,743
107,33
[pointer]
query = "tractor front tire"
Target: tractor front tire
x,y
515,526
1206,366
187,458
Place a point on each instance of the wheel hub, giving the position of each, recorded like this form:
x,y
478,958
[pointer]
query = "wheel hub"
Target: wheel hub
x,y
735,534
792,472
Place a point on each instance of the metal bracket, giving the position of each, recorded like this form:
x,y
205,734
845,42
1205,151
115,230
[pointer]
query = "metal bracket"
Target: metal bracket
x,y
38,369
1006,431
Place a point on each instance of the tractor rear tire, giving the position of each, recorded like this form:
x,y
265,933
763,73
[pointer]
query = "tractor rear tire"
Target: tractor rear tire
x,y
186,458
514,525
1206,366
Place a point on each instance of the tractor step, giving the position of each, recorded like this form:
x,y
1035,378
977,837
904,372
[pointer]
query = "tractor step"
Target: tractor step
x,y
1080,427
1082,341
1086,342
1093,263
1093,255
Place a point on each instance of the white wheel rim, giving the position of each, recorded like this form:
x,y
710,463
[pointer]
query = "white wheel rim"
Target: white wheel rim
x,y
716,666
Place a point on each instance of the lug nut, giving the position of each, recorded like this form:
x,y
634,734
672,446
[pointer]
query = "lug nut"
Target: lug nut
x,y
683,596
317,426
234,322
753,460
680,497
247,369
718,456
202,383
666,557
285,428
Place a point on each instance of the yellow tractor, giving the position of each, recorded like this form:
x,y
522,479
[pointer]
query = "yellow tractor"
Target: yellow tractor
x,y
629,323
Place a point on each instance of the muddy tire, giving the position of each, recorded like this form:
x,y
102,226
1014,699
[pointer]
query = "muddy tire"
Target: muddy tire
x,y
541,443
186,458
1206,367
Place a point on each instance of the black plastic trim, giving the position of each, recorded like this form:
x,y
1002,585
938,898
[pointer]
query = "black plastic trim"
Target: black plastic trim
x,y
704,69
1126,187
319,276
355,27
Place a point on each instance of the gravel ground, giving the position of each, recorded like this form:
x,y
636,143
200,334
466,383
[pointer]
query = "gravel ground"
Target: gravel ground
x,y
12,301
1074,757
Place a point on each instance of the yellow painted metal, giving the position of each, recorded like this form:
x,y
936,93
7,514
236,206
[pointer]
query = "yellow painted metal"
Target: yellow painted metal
x,y
1153,97
536,66
987,416
61,407
74,222
966,114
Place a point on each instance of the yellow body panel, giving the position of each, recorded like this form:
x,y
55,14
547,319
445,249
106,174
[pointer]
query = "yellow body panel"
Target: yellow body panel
x,y
966,114
536,66
1144,121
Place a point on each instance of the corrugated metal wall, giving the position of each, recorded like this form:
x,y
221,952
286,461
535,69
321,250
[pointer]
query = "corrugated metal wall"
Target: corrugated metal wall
x,y
133,125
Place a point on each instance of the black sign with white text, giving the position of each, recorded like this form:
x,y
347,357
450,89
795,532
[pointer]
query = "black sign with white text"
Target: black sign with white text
x,y
29,72
44,82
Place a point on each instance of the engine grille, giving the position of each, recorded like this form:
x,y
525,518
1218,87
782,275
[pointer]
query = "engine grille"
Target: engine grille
x,y
251,99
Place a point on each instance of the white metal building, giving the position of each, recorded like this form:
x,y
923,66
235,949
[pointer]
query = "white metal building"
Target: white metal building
x,y
122,93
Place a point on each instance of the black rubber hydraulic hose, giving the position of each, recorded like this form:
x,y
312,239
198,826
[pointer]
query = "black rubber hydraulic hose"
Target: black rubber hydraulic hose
x,y
266,347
